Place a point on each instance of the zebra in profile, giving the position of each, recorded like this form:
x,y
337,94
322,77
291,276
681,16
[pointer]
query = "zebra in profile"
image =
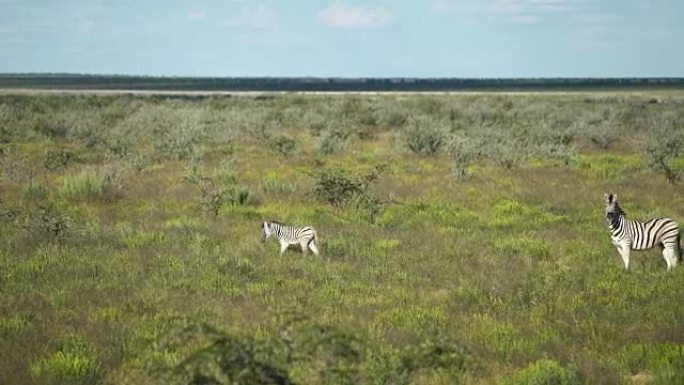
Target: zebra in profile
x,y
629,235
289,235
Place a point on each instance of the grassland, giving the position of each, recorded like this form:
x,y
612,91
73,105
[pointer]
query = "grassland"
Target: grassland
x,y
462,239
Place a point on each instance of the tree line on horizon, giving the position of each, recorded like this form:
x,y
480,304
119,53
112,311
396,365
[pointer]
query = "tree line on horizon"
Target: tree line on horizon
x,y
128,82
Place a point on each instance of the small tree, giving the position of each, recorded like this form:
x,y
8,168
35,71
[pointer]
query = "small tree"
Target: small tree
x,y
664,144
425,136
463,151
337,186
545,372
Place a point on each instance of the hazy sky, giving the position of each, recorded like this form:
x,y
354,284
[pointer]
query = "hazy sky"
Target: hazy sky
x,y
431,38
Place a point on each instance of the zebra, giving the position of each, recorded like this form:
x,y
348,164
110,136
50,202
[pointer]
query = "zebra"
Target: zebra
x,y
289,235
629,235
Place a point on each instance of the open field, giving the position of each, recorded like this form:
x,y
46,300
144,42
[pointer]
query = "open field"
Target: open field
x,y
462,236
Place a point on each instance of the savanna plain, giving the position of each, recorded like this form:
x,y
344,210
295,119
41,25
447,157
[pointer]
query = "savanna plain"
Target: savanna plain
x,y
463,239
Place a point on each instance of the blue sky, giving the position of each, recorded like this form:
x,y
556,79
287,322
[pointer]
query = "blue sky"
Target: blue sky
x,y
348,38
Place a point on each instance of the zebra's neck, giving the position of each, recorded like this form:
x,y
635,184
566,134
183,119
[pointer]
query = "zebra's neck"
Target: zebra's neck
x,y
277,228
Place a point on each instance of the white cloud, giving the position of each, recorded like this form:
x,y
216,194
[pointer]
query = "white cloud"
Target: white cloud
x,y
196,15
518,11
526,19
339,15
87,26
554,5
259,17
441,7
594,31
8,33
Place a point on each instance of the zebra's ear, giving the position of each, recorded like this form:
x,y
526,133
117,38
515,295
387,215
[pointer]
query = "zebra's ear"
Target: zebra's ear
x,y
611,198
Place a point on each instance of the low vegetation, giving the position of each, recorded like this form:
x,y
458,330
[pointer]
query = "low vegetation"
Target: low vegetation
x,y
462,237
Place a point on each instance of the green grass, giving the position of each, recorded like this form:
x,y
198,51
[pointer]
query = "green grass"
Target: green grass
x,y
113,270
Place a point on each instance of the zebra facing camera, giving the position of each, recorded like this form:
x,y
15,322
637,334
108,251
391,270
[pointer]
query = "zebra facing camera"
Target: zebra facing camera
x,y
627,234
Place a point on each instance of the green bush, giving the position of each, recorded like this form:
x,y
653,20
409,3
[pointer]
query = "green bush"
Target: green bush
x,y
463,151
56,159
226,359
66,368
71,362
14,325
545,372
283,144
333,140
664,145
48,223
338,186
89,185
218,191
337,248
34,191
664,360
670,365
424,136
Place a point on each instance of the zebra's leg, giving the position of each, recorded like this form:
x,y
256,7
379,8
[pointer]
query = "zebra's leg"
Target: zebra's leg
x,y
624,253
670,255
313,247
305,249
283,247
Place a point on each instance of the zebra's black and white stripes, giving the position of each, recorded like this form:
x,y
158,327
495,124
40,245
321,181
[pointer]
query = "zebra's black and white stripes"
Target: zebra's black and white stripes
x,y
289,235
630,235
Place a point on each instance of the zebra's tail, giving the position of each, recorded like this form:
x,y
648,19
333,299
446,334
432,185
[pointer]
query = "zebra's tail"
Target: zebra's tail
x,y
679,248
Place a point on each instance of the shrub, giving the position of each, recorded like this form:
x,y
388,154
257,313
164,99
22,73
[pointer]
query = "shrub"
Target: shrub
x,y
463,151
314,121
90,185
228,359
664,144
283,144
601,136
506,154
664,360
545,372
14,324
179,138
393,117
66,368
218,191
72,362
49,223
56,159
52,129
424,136
670,365
15,168
337,248
333,140
337,186
371,207
119,146
34,191
557,154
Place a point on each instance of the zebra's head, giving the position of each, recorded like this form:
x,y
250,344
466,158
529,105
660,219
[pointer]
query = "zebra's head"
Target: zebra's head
x,y
612,207
265,231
